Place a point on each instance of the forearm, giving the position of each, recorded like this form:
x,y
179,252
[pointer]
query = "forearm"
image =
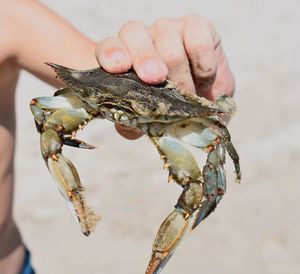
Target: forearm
x,y
39,36
11,249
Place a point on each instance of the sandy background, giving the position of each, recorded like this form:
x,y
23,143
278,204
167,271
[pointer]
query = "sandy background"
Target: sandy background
x,y
256,228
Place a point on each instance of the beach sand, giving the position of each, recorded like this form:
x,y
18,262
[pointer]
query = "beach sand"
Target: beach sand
x,y
256,227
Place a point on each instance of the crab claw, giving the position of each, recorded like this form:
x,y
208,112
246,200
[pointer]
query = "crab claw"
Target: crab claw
x,y
168,237
184,170
57,119
67,180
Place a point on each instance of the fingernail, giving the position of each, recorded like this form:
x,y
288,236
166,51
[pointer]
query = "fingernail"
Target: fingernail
x,y
153,71
118,57
116,61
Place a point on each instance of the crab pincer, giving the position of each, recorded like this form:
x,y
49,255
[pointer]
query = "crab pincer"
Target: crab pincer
x,y
184,170
57,127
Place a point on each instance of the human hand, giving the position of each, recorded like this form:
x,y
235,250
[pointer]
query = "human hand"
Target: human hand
x,y
185,50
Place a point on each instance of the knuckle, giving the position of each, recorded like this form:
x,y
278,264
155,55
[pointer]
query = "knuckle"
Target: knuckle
x,y
174,59
162,23
195,50
130,26
194,20
106,46
206,72
193,17
105,43
205,77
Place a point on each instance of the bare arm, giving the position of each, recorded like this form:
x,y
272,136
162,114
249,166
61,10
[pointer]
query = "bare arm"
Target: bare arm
x,y
30,34
33,34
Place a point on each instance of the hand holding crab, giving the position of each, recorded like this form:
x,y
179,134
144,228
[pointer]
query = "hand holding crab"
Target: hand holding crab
x,y
187,50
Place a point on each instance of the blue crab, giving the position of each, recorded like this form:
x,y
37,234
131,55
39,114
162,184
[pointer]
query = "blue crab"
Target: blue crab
x,y
164,113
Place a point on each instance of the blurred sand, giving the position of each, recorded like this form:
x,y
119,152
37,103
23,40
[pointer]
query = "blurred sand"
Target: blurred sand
x,y
256,228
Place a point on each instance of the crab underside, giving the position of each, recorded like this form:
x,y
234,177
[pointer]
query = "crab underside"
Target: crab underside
x,y
162,112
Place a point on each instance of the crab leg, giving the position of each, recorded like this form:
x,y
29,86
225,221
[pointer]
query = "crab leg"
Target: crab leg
x,y
77,143
214,186
221,130
56,126
214,183
43,107
184,170
201,193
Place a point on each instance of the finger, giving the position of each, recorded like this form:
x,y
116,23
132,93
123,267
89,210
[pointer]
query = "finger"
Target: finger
x,y
146,61
224,83
167,39
200,47
112,55
128,132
